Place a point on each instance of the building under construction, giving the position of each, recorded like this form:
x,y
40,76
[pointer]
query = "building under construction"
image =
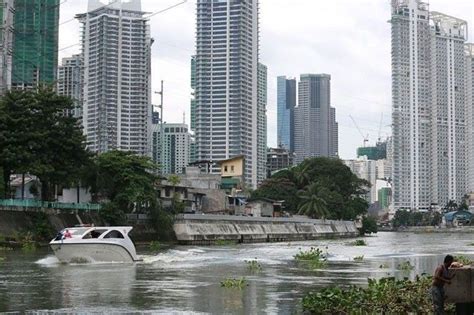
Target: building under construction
x,y
35,42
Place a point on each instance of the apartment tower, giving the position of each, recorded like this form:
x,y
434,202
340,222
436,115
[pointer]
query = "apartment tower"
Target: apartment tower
x,y
286,103
316,129
227,54
116,48
70,81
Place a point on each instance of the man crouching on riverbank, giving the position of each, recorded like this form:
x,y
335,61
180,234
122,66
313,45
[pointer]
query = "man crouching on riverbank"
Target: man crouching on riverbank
x,y
440,278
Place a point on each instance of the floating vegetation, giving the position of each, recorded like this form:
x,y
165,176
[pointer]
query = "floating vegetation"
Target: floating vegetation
x,y
155,246
358,243
463,260
359,258
405,266
384,296
28,244
314,257
384,266
5,248
253,265
234,283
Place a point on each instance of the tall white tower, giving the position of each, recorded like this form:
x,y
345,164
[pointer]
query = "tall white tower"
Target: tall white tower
x,y
227,46
411,104
116,48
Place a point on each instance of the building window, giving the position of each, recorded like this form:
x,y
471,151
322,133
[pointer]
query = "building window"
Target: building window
x,y
232,168
225,168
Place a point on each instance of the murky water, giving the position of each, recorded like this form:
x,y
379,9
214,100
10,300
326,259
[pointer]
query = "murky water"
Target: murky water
x,y
187,279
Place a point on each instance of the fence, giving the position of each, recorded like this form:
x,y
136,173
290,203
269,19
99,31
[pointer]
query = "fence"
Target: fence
x,y
31,203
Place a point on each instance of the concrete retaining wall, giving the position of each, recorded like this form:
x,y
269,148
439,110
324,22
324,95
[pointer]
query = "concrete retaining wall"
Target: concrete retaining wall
x,y
207,229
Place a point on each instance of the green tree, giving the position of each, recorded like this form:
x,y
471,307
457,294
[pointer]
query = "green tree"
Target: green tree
x,y
313,203
451,205
369,225
125,179
37,136
344,192
279,188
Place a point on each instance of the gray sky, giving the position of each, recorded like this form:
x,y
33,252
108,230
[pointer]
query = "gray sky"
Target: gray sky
x,y
349,39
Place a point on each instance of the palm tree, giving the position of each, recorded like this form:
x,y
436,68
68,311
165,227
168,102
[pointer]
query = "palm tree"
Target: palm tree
x,y
313,203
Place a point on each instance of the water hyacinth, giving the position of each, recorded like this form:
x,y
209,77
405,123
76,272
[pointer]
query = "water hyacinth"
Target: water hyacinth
x,y
384,296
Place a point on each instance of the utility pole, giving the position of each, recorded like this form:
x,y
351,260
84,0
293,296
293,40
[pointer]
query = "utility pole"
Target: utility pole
x,y
162,135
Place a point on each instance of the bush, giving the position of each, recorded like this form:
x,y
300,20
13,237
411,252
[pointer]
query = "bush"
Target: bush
x,y
463,260
155,246
405,266
384,296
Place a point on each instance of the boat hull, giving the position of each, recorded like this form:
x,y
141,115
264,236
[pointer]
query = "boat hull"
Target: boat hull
x,y
91,253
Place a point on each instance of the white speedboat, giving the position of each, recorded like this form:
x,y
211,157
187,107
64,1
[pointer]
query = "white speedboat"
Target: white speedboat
x,y
94,244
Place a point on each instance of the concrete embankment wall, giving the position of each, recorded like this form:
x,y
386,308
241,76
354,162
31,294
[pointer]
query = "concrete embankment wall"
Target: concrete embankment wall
x,y
17,222
207,229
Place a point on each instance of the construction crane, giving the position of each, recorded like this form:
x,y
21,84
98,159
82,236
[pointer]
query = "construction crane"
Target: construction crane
x,y
366,138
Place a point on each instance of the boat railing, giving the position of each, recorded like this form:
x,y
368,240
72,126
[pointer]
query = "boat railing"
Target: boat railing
x,y
33,203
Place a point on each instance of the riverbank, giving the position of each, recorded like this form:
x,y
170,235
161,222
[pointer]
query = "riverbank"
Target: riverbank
x,y
429,229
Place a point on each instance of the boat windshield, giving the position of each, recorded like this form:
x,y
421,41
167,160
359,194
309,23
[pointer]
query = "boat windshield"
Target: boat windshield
x,y
114,234
94,234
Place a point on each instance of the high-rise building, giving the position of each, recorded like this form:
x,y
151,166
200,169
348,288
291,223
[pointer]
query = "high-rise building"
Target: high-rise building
x,y
316,129
226,83
7,12
469,54
262,123
176,148
286,103
411,104
449,166
35,43
365,169
116,48
193,87
278,159
378,152
430,111
70,81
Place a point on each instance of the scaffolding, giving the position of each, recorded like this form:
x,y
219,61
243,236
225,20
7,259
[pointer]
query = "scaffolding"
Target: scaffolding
x,y
35,44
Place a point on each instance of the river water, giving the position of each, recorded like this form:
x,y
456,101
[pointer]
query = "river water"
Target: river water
x,y
186,279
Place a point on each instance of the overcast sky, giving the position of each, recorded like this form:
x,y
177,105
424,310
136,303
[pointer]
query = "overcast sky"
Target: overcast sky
x,y
349,39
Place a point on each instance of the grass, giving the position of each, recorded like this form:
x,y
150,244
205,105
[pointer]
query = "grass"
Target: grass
x,y
314,258
232,283
405,266
359,258
253,265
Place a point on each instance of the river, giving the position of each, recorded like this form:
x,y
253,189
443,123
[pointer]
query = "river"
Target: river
x,y
186,279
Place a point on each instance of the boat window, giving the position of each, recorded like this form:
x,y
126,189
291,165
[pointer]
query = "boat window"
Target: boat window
x,y
114,234
94,234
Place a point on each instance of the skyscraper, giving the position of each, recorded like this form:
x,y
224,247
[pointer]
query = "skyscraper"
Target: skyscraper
x,y
116,48
449,166
262,123
286,103
411,104
70,81
430,110
193,87
316,129
7,12
35,43
469,57
176,150
226,83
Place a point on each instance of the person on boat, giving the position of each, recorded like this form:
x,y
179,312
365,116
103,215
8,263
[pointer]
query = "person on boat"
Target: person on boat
x,y
67,234
440,278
